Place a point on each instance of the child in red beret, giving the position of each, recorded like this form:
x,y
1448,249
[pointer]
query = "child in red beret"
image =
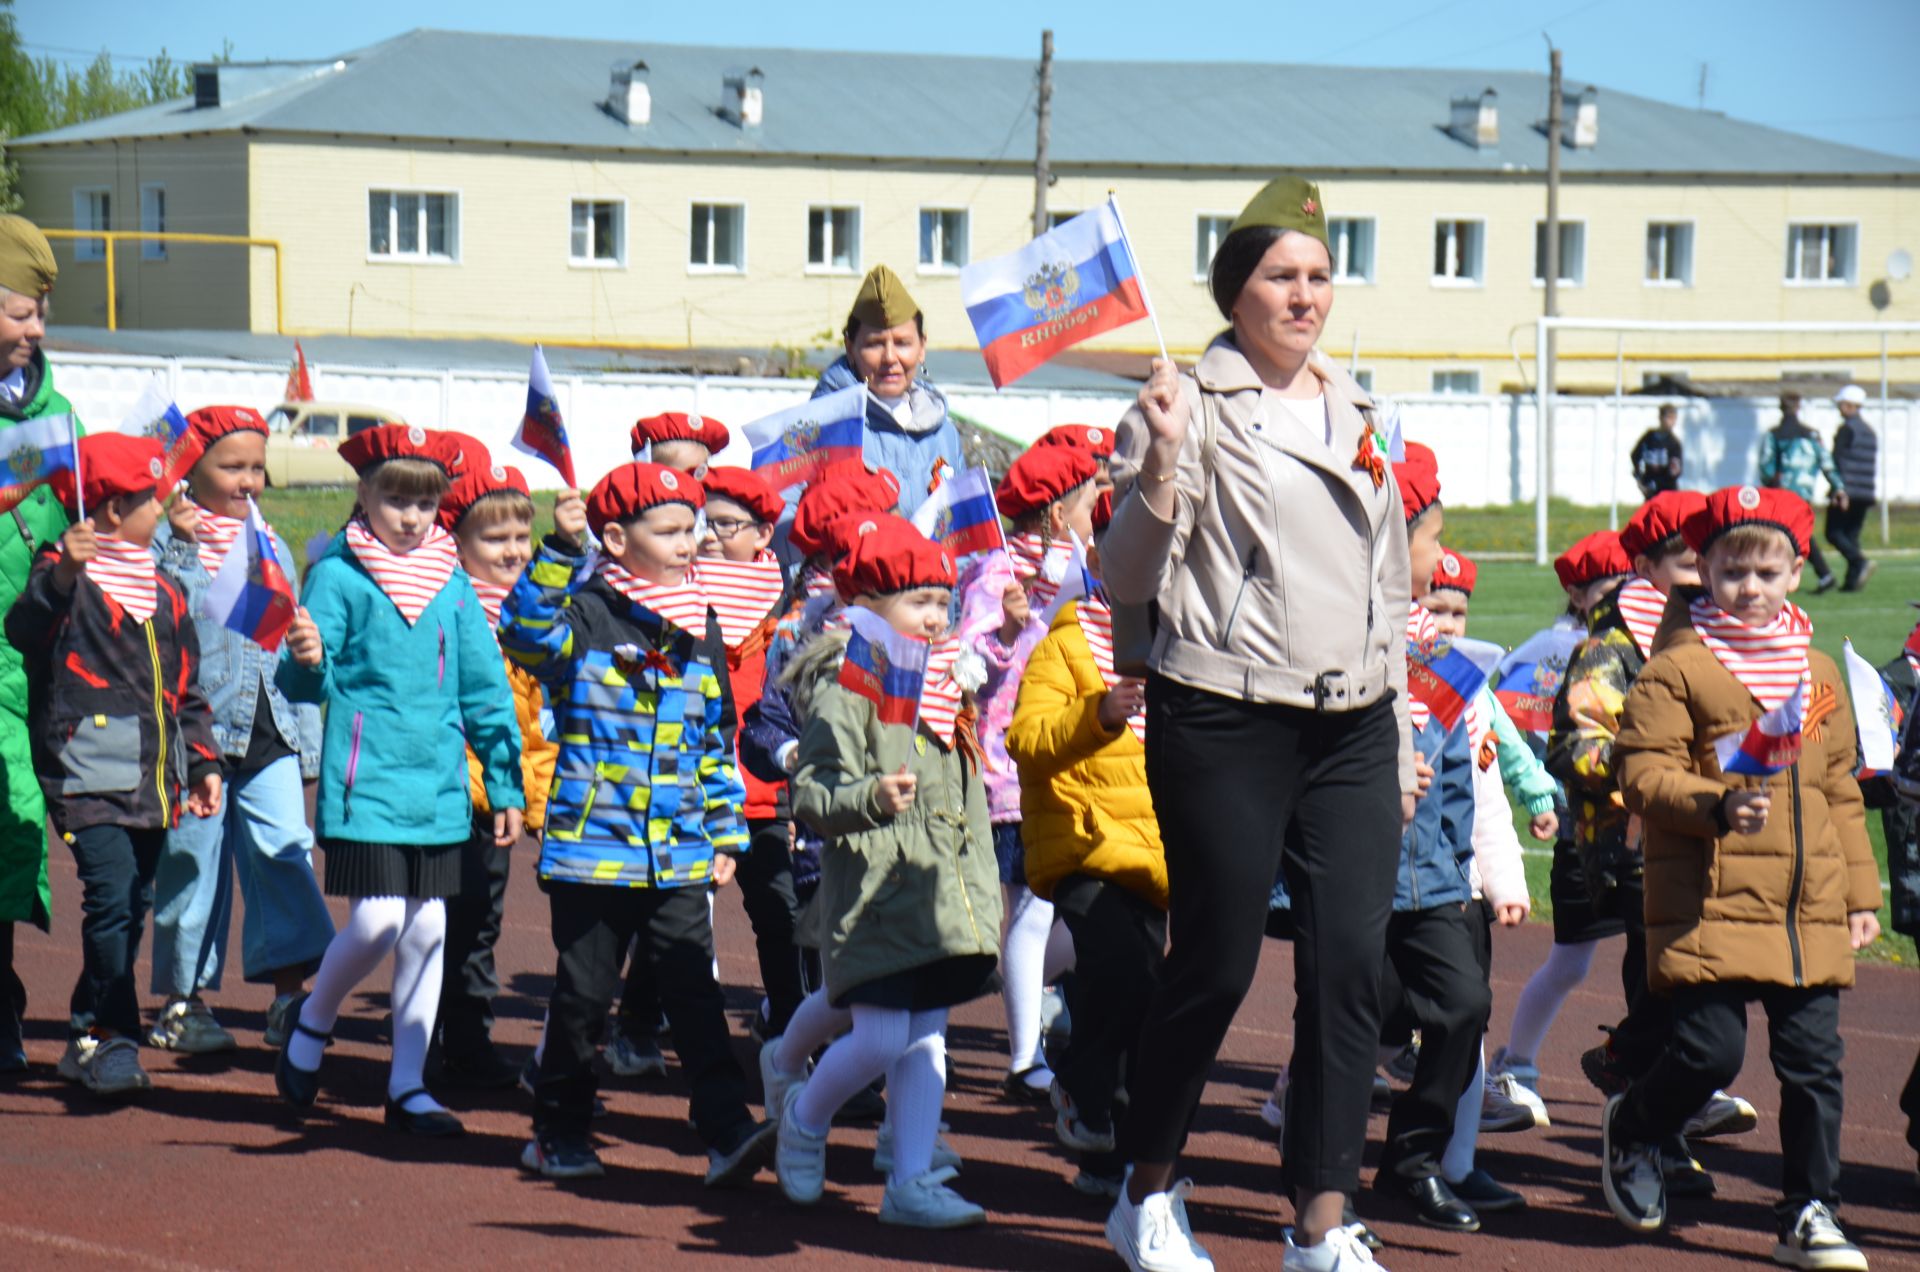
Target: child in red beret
x,y
115,718
1098,442
681,440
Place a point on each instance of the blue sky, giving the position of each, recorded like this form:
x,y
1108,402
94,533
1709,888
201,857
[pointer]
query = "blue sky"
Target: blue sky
x,y
1839,69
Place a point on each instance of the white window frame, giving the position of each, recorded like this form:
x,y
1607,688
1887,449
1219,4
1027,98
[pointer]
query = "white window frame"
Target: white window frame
x,y
1438,372
1578,280
1200,219
1693,252
858,255
153,249
966,239
1366,280
1853,256
90,249
456,235
710,268
591,261
1446,280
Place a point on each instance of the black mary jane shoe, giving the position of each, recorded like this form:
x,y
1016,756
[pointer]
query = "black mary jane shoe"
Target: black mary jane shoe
x,y
1435,1204
435,1124
298,1087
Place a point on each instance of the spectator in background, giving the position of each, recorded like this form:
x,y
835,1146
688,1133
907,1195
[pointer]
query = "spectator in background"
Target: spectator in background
x,y
1792,457
1856,453
1657,455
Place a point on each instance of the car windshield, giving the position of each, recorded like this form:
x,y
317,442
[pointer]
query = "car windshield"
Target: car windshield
x,y
279,419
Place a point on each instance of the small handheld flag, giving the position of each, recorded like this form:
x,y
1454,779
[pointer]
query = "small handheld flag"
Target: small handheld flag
x,y
1075,584
1449,676
541,432
1529,678
251,594
155,415
791,447
1874,713
32,452
1770,744
299,387
961,514
884,666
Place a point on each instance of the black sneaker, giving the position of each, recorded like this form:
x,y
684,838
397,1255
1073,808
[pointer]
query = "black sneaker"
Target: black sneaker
x,y
1684,1174
1486,1194
1825,585
1815,1240
1630,1177
1404,1062
563,1158
734,1163
478,1068
1602,1068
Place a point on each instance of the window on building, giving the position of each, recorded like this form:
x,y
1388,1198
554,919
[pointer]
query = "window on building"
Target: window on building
x,y
833,240
1363,376
1352,249
1670,253
153,218
1057,219
1573,252
92,210
943,239
1208,231
598,232
412,225
1459,251
718,238
1456,381
1821,253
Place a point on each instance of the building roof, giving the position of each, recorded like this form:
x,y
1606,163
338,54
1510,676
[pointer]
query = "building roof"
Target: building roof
x,y
537,91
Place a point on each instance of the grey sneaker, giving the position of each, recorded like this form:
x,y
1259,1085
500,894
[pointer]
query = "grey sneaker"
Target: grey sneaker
x,y
76,1058
1816,1241
187,1026
279,1020
1722,1114
115,1069
925,1201
630,1059
1630,1176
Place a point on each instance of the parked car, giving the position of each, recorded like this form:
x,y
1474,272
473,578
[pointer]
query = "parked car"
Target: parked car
x,y
302,437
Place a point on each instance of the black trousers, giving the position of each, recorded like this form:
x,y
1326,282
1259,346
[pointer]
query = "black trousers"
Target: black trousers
x,y
1243,790
765,880
13,994
116,868
1910,1105
471,981
1818,560
1435,975
1119,943
1642,1033
592,928
1708,1045
1843,532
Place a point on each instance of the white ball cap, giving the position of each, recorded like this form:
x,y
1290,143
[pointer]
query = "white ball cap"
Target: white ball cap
x,y
1852,393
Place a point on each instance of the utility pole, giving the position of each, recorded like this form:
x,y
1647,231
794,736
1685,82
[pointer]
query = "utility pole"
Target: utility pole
x,y
1042,175
1546,370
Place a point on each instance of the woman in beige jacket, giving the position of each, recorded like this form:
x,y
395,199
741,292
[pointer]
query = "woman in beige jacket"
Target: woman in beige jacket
x,y
1254,509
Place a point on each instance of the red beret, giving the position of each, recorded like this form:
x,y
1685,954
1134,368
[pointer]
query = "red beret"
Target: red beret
x,y
211,423
475,483
1749,505
748,489
1659,519
1103,511
1455,571
114,464
1097,441
1042,475
892,557
367,450
834,496
677,426
1598,556
1418,476
881,486
631,489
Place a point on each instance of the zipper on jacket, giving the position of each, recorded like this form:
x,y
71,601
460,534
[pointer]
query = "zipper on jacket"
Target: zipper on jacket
x,y
442,673
160,727
1799,878
1246,577
353,766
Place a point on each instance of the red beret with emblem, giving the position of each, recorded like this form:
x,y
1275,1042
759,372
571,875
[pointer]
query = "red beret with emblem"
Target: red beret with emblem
x,y
1103,511
1661,518
679,426
1598,556
848,486
1098,441
479,478
211,423
1041,476
111,465
881,486
1455,571
748,489
367,450
1418,476
1750,506
892,557
631,489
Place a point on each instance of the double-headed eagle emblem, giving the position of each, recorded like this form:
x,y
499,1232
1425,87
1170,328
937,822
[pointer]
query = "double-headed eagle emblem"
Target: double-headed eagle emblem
x,y
1050,290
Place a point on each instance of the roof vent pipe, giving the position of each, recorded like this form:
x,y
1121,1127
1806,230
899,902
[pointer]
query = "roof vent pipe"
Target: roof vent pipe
x,y
1476,119
629,100
1582,109
741,99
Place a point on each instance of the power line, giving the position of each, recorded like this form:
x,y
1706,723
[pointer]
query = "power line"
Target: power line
x,y
1395,29
1518,35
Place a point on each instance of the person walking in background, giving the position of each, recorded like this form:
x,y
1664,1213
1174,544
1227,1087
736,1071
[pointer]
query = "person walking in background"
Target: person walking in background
x,y
1792,457
1856,453
1657,457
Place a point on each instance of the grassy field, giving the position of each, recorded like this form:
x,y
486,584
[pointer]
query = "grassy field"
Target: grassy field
x,y
1513,600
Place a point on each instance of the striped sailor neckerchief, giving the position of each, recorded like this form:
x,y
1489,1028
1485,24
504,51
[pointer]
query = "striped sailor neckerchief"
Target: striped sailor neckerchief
x,y
940,699
681,604
1769,662
1641,607
1422,632
125,572
215,535
742,593
409,579
492,597
816,583
1039,564
1095,616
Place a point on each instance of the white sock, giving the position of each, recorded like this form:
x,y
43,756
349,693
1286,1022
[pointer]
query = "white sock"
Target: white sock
x,y
815,1023
373,925
1546,990
916,1085
1023,957
879,1035
1457,1162
416,999
1317,1258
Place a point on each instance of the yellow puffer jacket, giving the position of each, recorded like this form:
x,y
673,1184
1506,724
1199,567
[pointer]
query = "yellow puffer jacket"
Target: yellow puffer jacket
x,y
1084,804
537,754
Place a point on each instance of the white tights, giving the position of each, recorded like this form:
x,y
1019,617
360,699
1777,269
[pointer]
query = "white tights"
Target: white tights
x,y
815,1023
1035,952
910,1047
1546,990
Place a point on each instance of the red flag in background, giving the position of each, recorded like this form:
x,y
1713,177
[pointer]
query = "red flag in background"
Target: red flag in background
x,y
299,383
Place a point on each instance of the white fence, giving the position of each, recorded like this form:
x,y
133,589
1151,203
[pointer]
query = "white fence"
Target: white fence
x,y
1485,443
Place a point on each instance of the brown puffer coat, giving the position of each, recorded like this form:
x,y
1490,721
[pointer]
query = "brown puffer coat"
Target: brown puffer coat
x,y
1769,907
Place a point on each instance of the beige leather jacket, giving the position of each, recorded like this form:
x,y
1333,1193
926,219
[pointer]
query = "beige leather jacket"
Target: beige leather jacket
x,y
1284,578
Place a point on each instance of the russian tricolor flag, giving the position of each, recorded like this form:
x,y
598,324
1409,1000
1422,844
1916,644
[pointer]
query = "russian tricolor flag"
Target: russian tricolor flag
x,y
884,666
541,432
155,415
1447,677
1876,715
961,514
251,594
1770,744
1530,676
791,447
32,452
1076,584
1070,284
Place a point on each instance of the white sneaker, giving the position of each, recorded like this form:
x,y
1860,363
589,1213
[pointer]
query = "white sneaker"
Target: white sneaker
x,y
943,1154
114,1069
1155,1236
1507,1104
78,1055
774,1082
1274,1111
1338,1251
925,1201
1817,1241
1722,1114
800,1161
1071,1130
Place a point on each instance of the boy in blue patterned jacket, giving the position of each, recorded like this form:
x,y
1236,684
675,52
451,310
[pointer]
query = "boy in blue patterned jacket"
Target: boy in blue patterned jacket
x,y
645,810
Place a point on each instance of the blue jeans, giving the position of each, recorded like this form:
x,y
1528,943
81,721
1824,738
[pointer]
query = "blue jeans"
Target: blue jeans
x,y
260,833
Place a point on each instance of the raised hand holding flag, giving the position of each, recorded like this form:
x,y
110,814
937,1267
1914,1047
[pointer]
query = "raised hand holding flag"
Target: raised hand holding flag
x,y
541,432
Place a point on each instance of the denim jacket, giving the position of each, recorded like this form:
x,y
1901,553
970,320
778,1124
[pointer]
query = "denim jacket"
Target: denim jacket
x,y
1437,849
234,671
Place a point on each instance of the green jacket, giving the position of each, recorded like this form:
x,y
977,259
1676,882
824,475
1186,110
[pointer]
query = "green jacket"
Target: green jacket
x,y
896,892
37,521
